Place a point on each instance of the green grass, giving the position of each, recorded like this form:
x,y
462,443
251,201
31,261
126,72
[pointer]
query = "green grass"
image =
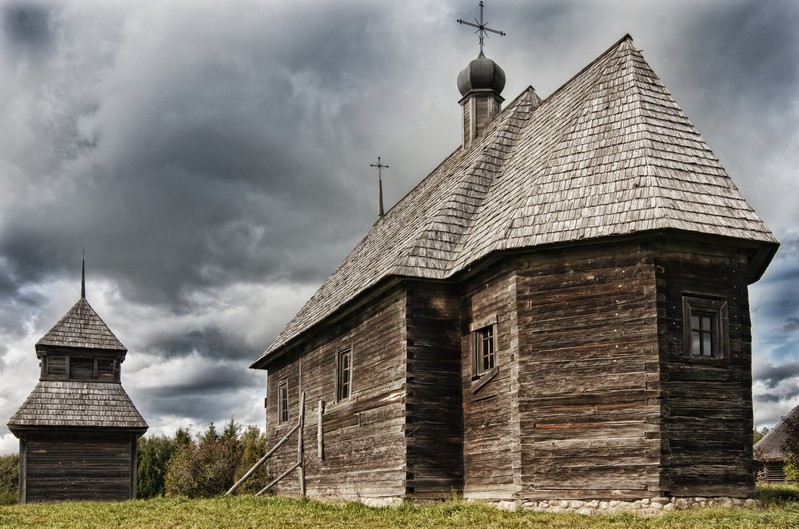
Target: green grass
x,y
780,511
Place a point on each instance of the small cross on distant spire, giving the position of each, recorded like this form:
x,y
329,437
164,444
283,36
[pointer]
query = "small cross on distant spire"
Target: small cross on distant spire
x,y
380,166
481,26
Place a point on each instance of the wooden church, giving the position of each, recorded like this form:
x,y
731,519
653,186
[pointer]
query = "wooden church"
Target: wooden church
x,y
78,428
558,310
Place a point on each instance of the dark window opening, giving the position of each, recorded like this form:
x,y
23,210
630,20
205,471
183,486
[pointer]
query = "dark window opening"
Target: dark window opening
x,y
702,331
344,378
283,402
484,346
485,349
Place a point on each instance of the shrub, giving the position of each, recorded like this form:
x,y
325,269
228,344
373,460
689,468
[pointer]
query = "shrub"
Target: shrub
x,y
791,468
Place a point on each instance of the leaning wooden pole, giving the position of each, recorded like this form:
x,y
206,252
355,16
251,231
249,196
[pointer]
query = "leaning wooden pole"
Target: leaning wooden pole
x,y
300,464
281,476
261,461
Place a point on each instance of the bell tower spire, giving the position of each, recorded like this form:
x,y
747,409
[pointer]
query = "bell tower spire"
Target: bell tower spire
x,y
83,276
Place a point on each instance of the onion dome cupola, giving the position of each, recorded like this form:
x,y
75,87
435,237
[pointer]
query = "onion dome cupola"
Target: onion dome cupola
x,y
481,74
480,84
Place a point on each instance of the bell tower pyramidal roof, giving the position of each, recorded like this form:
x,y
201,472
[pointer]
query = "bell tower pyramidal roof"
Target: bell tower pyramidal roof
x,y
81,327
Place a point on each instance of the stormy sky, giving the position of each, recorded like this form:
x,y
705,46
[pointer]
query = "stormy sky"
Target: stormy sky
x,y
212,158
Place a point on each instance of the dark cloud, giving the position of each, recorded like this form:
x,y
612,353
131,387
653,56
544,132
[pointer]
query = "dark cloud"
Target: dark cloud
x,y
217,379
27,26
791,325
210,342
772,375
202,408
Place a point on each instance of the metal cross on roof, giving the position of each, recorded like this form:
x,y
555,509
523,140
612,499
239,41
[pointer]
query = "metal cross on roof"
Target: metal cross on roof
x,y
380,166
481,26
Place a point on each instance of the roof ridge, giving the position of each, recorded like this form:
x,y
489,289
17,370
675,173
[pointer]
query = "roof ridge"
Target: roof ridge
x,y
625,39
655,193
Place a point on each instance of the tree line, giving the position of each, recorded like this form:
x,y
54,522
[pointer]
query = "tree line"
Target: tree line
x,y
204,465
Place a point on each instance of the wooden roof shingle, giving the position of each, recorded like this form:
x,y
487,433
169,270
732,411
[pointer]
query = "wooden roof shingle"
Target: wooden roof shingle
x,y
610,153
77,404
769,448
81,328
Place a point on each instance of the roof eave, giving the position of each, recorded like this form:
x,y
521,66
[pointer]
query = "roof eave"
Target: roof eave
x,y
17,429
763,252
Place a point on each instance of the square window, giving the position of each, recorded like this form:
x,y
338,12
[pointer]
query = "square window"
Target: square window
x,y
283,402
705,326
344,375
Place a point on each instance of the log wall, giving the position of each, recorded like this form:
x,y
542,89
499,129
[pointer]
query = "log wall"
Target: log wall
x,y
434,426
707,402
59,466
363,437
589,374
491,437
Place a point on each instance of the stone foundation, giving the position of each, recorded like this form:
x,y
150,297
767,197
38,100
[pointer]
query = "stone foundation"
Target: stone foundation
x,y
645,507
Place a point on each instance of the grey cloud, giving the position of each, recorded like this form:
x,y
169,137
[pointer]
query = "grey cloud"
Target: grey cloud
x,y
217,379
791,325
772,375
204,408
211,342
769,398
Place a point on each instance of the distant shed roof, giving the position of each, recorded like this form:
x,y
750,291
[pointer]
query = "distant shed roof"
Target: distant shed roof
x,y
610,153
77,404
769,448
81,328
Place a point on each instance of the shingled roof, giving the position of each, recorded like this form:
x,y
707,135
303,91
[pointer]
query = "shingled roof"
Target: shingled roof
x,y
609,154
82,328
77,404
769,448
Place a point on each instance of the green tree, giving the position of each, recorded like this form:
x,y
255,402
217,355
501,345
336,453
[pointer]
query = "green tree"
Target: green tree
x,y
757,435
253,448
207,466
9,479
154,454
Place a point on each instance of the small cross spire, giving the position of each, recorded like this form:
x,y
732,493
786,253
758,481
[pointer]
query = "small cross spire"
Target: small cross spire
x,y
482,27
380,166
83,276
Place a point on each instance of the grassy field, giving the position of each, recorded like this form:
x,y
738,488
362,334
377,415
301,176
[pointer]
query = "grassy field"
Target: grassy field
x,y
781,511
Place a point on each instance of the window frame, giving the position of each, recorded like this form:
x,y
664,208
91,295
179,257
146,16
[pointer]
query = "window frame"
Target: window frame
x,y
717,329
283,402
344,389
484,334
